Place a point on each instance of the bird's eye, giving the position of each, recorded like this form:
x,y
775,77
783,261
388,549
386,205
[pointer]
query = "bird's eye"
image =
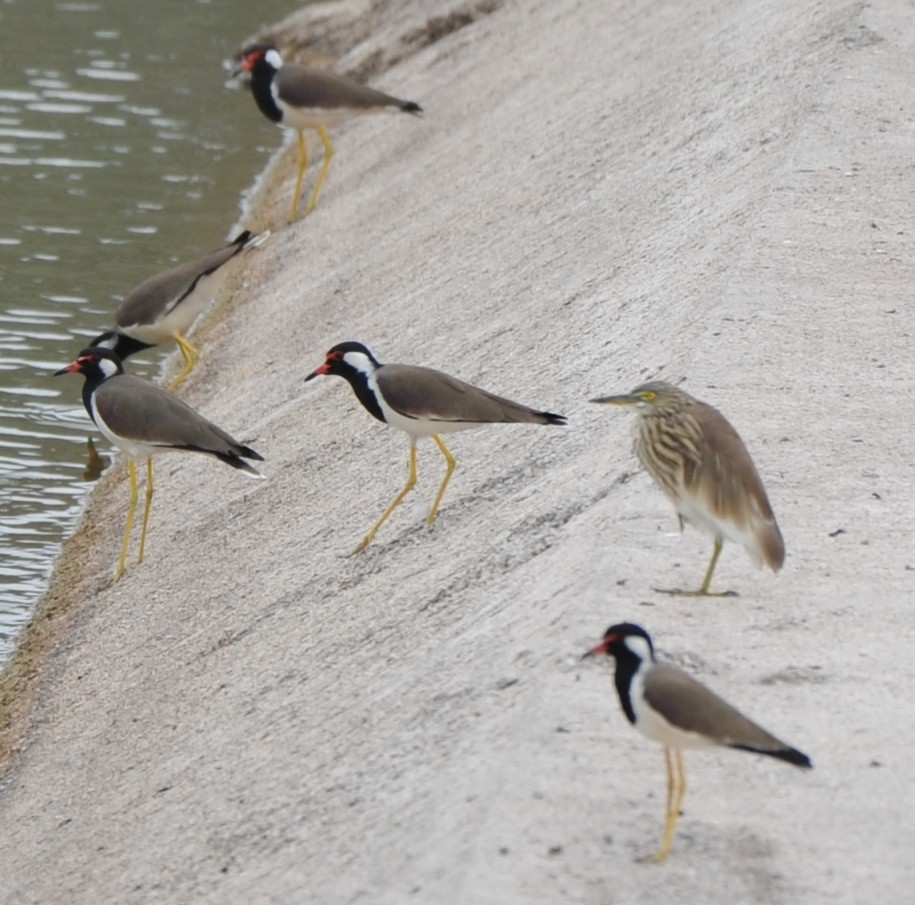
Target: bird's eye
x,y
648,395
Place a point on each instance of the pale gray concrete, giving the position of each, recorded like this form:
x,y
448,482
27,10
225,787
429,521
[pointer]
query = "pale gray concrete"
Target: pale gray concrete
x,y
599,192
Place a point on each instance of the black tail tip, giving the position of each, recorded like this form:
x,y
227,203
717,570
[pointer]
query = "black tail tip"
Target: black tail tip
x,y
791,755
411,107
249,453
553,418
798,758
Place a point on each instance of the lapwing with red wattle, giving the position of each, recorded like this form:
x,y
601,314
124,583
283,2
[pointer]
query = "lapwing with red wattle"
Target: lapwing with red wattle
x,y
143,419
164,306
670,707
299,98
422,402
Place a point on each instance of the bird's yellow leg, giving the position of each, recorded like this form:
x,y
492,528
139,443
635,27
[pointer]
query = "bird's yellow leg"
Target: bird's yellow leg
x,y
303,163
716,552
676,788
190,355
451,462
411,482
325,163
149,496
681,789
131,511
704,590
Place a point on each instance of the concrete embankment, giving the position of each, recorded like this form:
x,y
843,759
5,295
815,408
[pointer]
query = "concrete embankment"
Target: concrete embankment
x,y
598,193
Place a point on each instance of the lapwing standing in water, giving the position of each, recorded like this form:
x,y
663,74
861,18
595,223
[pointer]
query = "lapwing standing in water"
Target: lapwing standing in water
x,y
300,98
699,461
670,707
422,403
143,419
165,306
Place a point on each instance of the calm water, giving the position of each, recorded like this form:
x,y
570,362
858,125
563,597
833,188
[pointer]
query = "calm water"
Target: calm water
x,y
121,153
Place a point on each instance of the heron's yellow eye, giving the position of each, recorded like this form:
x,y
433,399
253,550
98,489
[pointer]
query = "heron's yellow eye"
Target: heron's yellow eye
x,y
647,395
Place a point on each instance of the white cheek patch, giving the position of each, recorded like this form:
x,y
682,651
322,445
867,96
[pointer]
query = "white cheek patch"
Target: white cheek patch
x,y
640,647
107,367
273,57
360,362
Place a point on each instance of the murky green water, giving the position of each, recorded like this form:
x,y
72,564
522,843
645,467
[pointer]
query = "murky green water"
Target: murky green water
x,y
121,153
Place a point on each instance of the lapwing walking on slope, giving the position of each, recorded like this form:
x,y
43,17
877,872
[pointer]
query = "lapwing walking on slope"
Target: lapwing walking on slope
x,y
300,98
143,419
670,707
699,461
422,403
165,306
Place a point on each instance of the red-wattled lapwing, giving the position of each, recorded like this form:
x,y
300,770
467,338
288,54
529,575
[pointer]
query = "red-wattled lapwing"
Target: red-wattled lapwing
x,y
165,306
143,419
422,403
300,98
671,708
704,469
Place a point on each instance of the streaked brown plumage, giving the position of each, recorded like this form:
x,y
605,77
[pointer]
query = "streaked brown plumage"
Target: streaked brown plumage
x,y
699,461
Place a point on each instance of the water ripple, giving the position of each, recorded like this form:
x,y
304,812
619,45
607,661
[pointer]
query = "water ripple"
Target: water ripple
x,y
106,178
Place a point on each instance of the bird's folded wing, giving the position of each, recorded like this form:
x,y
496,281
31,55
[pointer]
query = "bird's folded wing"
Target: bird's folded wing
x,y
691,707
416,392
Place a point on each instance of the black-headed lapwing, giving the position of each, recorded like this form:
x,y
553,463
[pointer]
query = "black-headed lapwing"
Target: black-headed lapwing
x,y
143,419
423,403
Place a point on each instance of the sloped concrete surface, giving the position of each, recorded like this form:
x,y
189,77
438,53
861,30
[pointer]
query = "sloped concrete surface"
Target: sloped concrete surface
x,y
598,193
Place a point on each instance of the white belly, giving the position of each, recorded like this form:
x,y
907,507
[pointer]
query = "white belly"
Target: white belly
x,y
181,318
719,528
419,428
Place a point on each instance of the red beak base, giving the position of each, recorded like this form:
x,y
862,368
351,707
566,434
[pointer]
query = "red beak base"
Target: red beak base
x,y
317,372
71,368
600,649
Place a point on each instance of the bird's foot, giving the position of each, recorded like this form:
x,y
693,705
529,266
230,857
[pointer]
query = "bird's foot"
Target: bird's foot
x,y
363,543
681,592
658,857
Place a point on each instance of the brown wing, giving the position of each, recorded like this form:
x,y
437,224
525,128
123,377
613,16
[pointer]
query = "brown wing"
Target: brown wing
x,y
318,89
160,293
690,706
724,477
426,393
144,413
